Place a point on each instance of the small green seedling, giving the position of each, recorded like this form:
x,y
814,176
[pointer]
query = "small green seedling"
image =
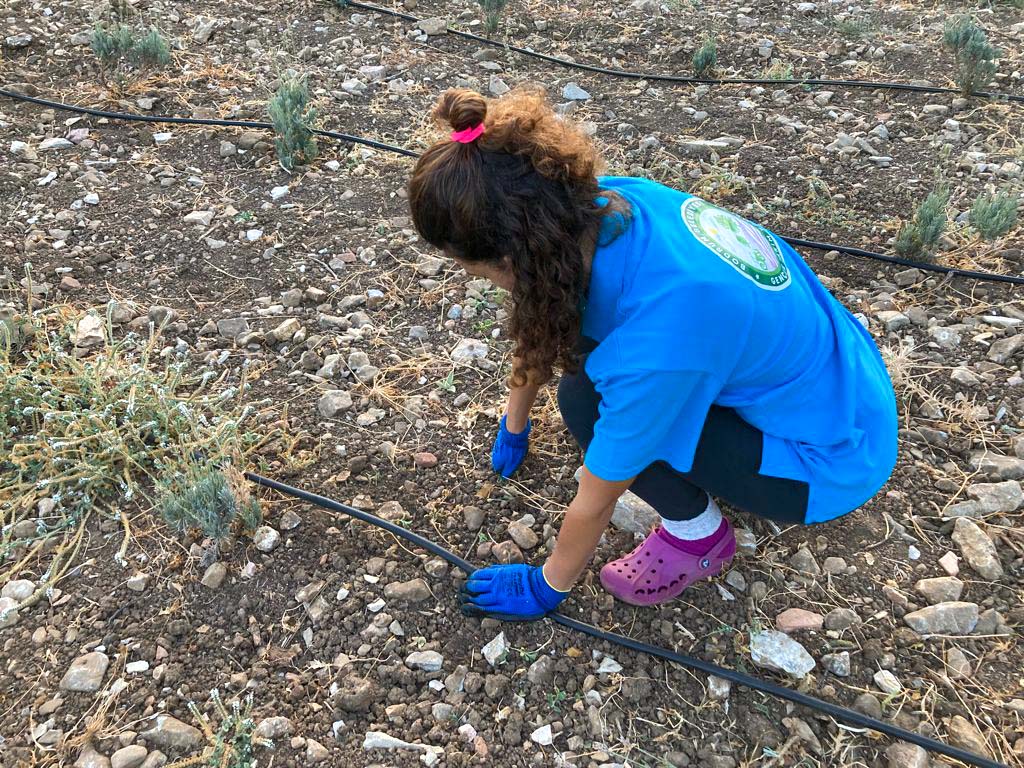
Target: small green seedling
x,y
292,116
993,215
119,44
975,56
210,499
919,237
493,10
705,58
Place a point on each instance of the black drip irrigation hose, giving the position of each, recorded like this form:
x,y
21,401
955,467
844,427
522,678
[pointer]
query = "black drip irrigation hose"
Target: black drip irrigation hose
x,y
794,241
772,689
680,78
197,121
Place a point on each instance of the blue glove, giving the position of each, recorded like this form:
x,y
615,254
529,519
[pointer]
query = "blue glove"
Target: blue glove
x,y
509,450
510,593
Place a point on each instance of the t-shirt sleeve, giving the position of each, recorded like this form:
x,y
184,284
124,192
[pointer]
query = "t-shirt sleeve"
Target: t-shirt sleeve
x,y
646,416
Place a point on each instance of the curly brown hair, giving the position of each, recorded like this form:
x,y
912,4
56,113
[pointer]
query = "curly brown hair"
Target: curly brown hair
x,y
523,195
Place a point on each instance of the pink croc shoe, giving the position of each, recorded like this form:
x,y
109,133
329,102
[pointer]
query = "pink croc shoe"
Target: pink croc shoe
x,y
658,570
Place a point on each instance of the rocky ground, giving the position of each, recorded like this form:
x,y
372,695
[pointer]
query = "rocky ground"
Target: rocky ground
x,y
391,364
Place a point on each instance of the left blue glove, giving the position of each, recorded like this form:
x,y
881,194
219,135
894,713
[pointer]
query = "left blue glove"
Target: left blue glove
x,y
510,593
509,448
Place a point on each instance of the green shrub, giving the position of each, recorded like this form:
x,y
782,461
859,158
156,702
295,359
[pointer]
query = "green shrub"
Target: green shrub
x,y
779,70
994,215
292,117
120,44
493,9
855,27
975,56
232,744
151,50
918,238
110,46
705,59
208,498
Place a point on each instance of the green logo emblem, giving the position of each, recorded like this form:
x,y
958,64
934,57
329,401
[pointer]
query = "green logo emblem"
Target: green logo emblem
x,y
750,250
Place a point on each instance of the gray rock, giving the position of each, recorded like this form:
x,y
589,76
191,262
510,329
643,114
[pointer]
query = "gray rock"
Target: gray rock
x,y
89,332
266,538
429,266
202,218
777,651
963,509
155,759
542,672
128,757
494,652
841,618
1002,467
468,350
18,589
427,661
20,40
90,758
573,92
160,315
522,535
333,402
718,688
977,549
47,145
413,591
958,666
274,728
433,27
169,733
868,704
497,86
803,562
893,321
381,740
1004,349
887,682
837,663
943,589
232,327
997,497
86,673
474,518
963,733
315,751
952,618
214,575
904,755
286,330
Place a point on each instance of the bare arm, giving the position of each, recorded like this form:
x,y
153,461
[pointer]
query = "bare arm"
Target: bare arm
x,y
520,401
584,522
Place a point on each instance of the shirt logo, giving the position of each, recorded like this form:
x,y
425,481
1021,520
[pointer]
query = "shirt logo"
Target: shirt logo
x,y
747,248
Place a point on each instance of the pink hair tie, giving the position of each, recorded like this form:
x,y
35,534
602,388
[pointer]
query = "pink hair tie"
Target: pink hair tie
x,y
469,135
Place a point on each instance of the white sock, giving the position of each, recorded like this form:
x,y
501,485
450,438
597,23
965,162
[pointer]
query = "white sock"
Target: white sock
x,y
700,527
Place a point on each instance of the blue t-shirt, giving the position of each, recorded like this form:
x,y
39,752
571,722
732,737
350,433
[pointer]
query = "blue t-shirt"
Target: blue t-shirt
x,y
693,306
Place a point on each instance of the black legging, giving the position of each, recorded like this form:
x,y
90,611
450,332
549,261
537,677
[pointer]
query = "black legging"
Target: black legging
x,y
725,465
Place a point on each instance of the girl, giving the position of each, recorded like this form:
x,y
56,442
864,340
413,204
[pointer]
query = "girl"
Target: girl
x,y
701,357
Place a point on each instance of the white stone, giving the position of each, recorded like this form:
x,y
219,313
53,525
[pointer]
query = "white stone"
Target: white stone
x,y
495,650
89,332
609,666
468,350
777,651
135,667
266,538
542,736
203,218
427,661
887,682
18,589
47,145
278,192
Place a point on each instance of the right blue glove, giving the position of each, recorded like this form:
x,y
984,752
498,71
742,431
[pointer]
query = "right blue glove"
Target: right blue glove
x,y
509,450
510,593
